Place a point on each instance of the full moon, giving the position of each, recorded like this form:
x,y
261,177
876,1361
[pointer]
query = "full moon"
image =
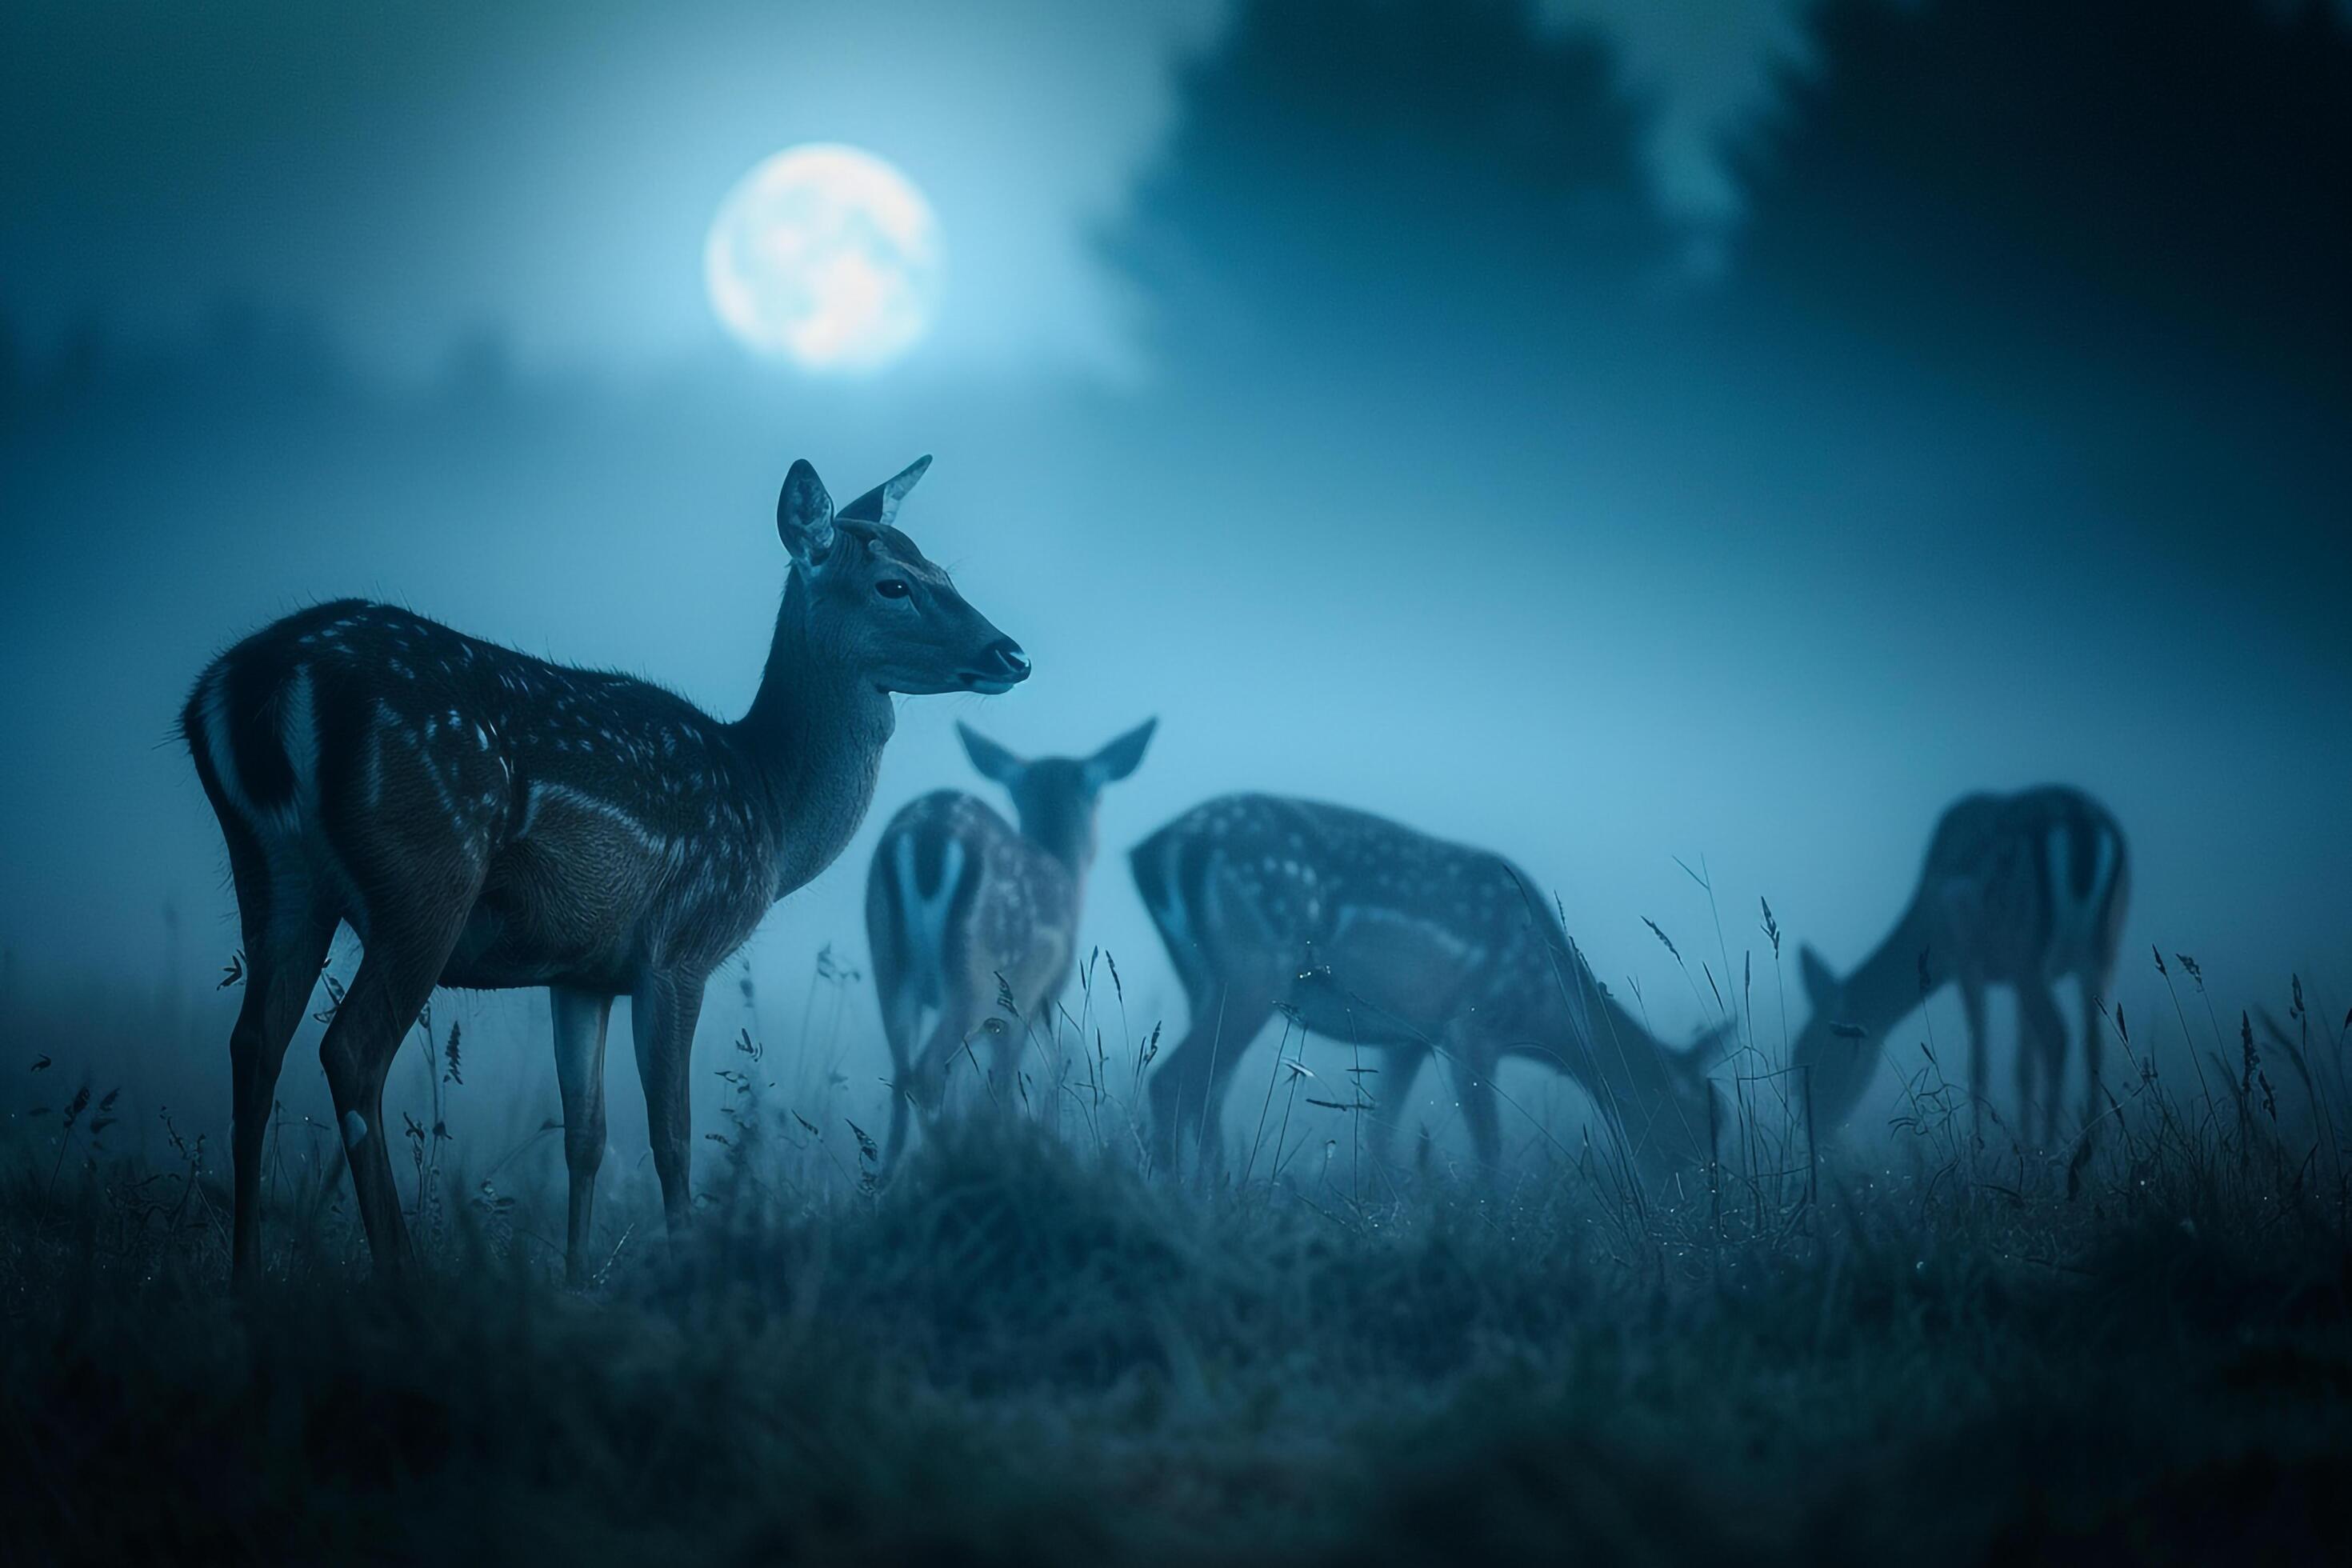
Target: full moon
x,y
826,256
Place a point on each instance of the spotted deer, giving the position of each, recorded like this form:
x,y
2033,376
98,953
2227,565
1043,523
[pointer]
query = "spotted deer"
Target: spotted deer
x,y
484,820
2021,890
1370,933
960,907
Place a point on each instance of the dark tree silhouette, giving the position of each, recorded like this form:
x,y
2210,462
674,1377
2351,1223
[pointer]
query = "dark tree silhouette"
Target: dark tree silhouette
x,y
1377,177
2087,181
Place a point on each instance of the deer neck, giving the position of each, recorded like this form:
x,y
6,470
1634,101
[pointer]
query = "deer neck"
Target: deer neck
x,y
814,735
1608,1051
1623,1059
1068,839
1838,1066
1886,984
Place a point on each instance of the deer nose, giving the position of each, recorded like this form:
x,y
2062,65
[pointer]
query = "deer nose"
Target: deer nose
x,y
1004,660
998,668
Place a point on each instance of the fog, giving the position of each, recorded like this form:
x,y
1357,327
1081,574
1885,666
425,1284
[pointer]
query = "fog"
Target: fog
x,y
1428,430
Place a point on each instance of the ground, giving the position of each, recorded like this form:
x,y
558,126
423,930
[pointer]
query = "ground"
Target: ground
x,y
1025,1348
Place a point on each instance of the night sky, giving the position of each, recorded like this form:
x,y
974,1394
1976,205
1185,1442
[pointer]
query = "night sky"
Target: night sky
x,y
1609,433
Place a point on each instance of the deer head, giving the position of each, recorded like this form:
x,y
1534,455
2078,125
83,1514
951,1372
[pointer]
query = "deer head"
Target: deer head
x,y
1057,799
1674,1102
1837,1051
875,601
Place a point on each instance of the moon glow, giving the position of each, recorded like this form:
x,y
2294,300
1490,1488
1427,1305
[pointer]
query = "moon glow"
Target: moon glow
x,y
826,256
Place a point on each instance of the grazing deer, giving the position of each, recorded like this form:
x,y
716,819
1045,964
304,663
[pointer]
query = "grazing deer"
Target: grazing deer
x,y
960,906
2020,890
482,818
1370,933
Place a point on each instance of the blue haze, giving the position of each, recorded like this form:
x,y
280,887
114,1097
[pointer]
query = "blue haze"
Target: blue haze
x,y
1555,511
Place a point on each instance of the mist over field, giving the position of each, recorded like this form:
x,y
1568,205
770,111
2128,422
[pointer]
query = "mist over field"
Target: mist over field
x,y
1442,481
1655,443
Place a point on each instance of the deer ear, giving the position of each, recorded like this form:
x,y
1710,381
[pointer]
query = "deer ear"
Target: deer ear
x,y
880,504
804,515
1121,757
992,760
1821,986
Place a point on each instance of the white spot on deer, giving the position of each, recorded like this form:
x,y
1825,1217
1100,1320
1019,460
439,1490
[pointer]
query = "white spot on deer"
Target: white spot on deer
x,y
442,792
1450,944
298,734
2074,922
542,794
1170,913
926,918
212,721
355,1129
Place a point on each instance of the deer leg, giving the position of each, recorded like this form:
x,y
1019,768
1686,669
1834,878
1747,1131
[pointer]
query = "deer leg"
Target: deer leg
x,y
2093,1043
396,979
581,1020
906,1086
1398,1066
899,1032
2053,1070
894,1139
1004,1064
662,1014
1972,1017
1053,1047
2028,1054
1470,1062
2041,1054
957,1033
1188,1092
902,1019
286,940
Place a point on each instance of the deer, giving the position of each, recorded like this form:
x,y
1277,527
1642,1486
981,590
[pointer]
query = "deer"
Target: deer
x,y
2022,891
1370,933
964,911
487,820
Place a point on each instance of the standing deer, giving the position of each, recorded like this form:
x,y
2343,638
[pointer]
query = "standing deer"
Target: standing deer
x,y
485,819
960,906
1370,933
2020,890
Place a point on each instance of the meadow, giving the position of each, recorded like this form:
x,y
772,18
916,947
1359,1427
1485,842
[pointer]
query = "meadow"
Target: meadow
x,y
1922,1341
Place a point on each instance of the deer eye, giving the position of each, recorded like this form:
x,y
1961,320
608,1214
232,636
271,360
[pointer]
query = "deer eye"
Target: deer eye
x,y
892,588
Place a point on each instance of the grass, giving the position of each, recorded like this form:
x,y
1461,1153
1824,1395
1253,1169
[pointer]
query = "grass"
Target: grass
x,y
1027,1347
